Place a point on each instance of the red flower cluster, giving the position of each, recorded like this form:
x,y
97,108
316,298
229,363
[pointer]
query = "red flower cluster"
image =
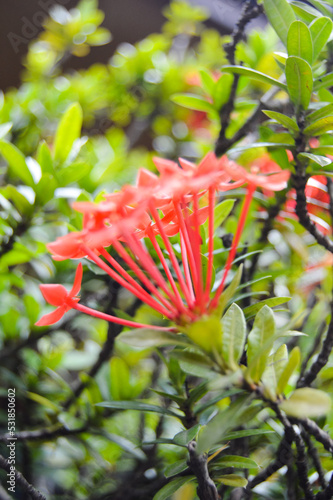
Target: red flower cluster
x,y
177,201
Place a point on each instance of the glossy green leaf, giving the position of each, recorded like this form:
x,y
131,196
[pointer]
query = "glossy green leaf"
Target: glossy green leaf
x,y
319,113
221,424
45,189
207,81
286,121
320,126
230,291
169,489
236,461
246,433
145,337
304,11
176,468
16,162
260,341
221,212
280,15
307,402
192,101
252,310
44,158
280,360
136,405
206,332
69,129
254,75
320,29
320,160
125,444
233,335
184,437
323,82
292,364
20,202
4,129
323,150
299,41
194,363
323,7
232,480
222,90
74,173
120,379
299,81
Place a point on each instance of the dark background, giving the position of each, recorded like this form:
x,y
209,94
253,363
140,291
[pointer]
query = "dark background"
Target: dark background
x,y
128,20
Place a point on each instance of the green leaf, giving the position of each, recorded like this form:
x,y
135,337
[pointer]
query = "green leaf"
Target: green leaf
x,y
74,173
176,468
286,121
69,129
323,81
320,126
280,16
236,461
145,337
320,30
170,488
260,341
320,113
299,81
120,379
221,424
16,162
246,433
233,335
323,150
229,292
125,444
184,437
194,363
252,310
4,129
206,332
299,41
41,400
207,81
254,75
320,5
267,145
293,362
192,101
44,158
20,202
221,212
136,405
307,402
45,189
232,480
304,11
222,90
320,160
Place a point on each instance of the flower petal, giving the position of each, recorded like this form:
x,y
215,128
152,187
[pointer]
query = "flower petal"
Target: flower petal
x,y
77,281
54,294
52,317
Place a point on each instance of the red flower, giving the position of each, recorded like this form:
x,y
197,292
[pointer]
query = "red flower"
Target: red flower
x,y
57,295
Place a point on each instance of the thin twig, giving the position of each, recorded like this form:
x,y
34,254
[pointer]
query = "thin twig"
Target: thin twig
x,y
46,434
313,452
312,428
21,480
322,358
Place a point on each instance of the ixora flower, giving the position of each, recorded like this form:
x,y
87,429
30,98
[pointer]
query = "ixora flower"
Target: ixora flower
x,y
164,212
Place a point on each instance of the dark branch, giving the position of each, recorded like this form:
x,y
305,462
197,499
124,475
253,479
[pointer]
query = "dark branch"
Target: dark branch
x,y
47,434
312,428
323,356
198,464
21,481
313,452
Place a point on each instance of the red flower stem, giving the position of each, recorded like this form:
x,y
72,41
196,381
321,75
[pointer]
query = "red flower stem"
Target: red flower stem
x,y
243,215
123,273
179,302
172,255
188,248
151,302
186,267
211,207
114,319
140,274
197,242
